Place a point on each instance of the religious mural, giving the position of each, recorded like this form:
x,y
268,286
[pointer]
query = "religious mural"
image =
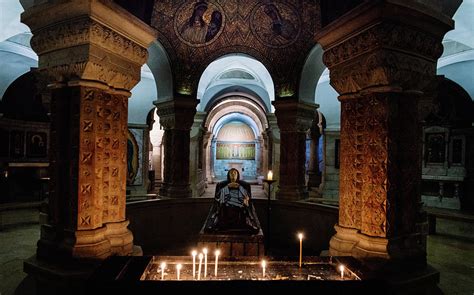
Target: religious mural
x,y
36,144
275,24
196,32
435,148
132,158
198,24
240,151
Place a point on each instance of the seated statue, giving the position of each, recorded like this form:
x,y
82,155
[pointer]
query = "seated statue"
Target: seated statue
x,y
232,211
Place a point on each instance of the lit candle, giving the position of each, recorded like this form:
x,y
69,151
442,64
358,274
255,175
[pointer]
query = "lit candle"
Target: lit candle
x,y
264,265
205,261
217,253
194,253
341,269
163,265
300,236
200,263
178,270
270,175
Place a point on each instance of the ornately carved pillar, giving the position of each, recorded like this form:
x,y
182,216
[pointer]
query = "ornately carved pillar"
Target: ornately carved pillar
x,y
91,56
380,57
294,119
176,117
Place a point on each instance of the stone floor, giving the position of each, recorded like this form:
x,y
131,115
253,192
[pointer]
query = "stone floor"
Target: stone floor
x,y
453,257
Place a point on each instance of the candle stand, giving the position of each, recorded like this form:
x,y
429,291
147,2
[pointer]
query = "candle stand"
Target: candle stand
x,y
267,232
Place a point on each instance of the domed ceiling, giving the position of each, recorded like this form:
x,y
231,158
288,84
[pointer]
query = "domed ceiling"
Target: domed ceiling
x,y
236,131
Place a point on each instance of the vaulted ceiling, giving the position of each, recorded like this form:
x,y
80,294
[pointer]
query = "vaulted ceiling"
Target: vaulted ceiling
x,y
280,34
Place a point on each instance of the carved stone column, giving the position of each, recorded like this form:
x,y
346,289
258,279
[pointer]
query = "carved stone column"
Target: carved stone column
x,y
176,116
380,57
91,53
294,119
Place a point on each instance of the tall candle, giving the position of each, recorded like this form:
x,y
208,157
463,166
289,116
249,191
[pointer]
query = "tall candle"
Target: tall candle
x,y
200,263
194,253
178,270
163,265
217,253
300,236
205,261
341,269
264,265
270,175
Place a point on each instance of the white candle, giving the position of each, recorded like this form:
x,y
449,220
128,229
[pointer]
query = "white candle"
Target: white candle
x,y
194,253
200,263
217,253
163,265
300,236
264,265
178,270
270,175
341,269
205,261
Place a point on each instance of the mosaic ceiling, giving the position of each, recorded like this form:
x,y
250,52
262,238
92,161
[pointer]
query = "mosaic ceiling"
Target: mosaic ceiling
x,y
280,34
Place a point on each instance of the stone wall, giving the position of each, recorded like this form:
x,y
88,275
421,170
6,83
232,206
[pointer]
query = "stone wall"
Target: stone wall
x,y
330,185
171,226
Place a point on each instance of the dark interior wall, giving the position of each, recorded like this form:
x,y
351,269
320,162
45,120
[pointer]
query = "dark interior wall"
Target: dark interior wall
x,y
172,226
140,8
333,9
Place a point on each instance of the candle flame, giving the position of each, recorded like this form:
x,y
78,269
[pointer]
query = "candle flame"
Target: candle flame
x,y
194,253
300,236
201,256
163,265
270,175
217,253
179,266
264,263
341,268
204,251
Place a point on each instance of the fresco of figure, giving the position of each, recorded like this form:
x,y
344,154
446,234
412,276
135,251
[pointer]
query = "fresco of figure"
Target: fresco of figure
x,y
196,29
282,31
214,25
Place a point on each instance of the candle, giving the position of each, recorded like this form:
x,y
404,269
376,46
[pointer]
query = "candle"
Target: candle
x,y
300,236
178,270
217,253
200,263
194,253
163,265
341,269
205,261
264,264
270,175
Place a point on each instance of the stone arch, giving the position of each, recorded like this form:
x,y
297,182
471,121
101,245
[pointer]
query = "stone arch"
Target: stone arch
x,y
16,59
160,66
311,73
262,85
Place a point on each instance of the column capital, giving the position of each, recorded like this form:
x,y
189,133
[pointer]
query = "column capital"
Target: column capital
x,y
384,46
177,113
90,40
293,115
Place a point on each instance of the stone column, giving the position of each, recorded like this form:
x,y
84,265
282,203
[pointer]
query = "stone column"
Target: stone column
x,y
314,174
196,176
91,56
206,155
176,117
294,119
380,57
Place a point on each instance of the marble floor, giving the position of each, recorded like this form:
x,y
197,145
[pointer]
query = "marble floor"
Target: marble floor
x,y
453,257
